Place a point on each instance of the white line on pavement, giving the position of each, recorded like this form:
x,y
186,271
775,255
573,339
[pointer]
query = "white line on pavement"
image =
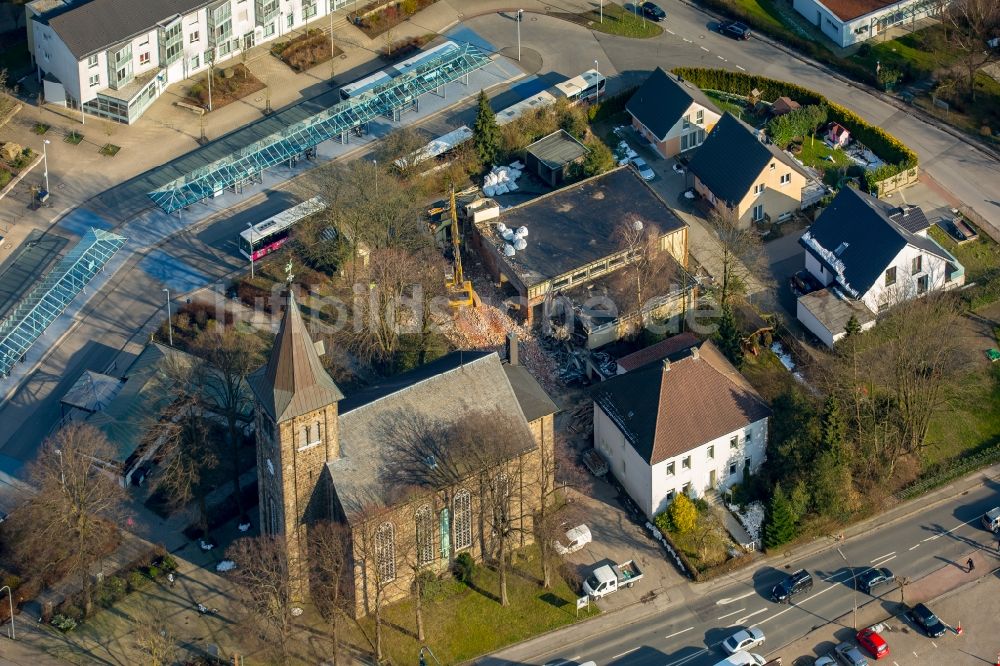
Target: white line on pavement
x,y
728,600
678,633
721,58
671,32
728,614
747,617
687,40
882,557
890,559
915,547
688,658
740,68
703,49
619,656
941,534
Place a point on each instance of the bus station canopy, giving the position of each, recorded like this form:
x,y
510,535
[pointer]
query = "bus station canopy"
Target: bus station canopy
x,y
295,139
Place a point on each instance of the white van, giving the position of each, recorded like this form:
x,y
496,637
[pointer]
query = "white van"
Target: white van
x,y
991,519
743,658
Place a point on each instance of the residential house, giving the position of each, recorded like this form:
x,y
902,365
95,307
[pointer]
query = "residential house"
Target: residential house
x,y
672,114
870,256
322,455
848,22
736,169
689,423
113,58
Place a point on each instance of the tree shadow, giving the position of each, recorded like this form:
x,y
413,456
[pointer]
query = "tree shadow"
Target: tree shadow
x,y
554,600
489,595
401,629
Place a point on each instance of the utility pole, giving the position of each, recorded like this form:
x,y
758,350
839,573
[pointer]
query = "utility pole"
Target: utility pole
x,y
170,324
520,13
854,585
597,91
45,160
211,61
250,225
602,12
10,600
333,61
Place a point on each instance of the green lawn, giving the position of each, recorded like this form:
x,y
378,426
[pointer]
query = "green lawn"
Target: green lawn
x,y
906,53
763,11
971,420
726,104
766,374
817,154
617,21
462,623
980,257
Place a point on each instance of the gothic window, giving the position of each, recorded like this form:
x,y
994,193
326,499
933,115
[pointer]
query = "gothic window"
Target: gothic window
x,y
385,552
425,535
463,519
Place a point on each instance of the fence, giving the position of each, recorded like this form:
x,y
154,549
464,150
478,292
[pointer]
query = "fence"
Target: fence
x,y
897,182
943,476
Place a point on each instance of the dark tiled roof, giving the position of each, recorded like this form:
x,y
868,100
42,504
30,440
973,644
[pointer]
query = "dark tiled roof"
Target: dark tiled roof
x,y
660,350
732,157
89,27
856,240
662,100
534,401
294,381
664,413
557,149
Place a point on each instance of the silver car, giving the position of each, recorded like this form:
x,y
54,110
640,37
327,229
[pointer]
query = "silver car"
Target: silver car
x,y
643,168
744,639
850,654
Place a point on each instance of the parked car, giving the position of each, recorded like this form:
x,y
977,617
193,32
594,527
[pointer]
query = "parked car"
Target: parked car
x,y
653,11
991,519
576,538
924,618
643,168
870,640
744,639
803,283
825,660
610,578
735,29
874,578
849,654
794,584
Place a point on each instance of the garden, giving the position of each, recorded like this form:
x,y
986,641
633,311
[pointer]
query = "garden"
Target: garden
x,y
306,51
694,529
379,17
228,85
13,159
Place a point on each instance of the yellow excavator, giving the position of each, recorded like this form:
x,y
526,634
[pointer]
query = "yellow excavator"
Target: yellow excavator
x,y
460,291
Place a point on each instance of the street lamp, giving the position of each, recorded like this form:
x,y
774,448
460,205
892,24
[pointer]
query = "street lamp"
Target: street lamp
x,y
45,160
10,600
250,226
597,90
854,584
520,13
602,12
170,324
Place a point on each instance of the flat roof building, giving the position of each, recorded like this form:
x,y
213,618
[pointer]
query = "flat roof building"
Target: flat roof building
x,y
848,22
551,157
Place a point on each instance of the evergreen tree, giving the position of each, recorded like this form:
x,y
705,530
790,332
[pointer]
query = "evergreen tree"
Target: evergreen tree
x,y
485,133
832,482
729,338
853,327
780,527
832,428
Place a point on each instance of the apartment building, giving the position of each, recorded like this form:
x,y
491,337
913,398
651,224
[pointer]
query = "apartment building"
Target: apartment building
x,y
113,58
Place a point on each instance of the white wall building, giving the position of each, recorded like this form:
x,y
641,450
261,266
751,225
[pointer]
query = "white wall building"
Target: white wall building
x,y
114,57
689,423
848,22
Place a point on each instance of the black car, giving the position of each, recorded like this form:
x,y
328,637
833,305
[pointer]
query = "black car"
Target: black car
x,y
653,11
928,621
793,584
735,29
803,283
874,578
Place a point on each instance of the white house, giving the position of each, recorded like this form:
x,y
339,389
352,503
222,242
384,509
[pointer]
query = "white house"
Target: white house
x,y
115,57
869,256
672,114
848,22
689,423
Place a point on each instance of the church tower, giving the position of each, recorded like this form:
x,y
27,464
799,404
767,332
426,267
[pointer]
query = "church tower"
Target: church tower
x,y
296,419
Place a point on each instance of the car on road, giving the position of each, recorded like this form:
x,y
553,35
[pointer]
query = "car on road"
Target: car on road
x,y
872,641
991,519
576,538
924,618
735,29
849,654
744,639
803,283
875,578
653,11
794,584
643,168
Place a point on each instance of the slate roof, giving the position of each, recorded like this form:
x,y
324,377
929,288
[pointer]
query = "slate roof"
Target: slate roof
x,y
664,413
730,160
89,27
445,390
557,149
294,381
856,240
660,350
534,401
662,100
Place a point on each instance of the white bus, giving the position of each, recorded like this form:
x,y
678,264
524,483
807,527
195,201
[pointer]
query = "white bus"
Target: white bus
x,y
361,86
267,236
406,65
515,111
584,88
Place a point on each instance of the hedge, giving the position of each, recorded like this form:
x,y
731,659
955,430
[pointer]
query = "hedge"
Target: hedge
x,y
897,156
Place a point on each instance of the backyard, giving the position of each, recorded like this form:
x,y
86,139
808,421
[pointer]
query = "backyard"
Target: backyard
x,y
833,162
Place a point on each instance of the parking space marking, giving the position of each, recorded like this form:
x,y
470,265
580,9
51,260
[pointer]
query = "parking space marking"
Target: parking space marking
x,y
619,656
882,557
728,614
678,633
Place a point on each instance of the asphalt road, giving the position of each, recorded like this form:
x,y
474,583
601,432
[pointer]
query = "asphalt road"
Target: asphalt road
x,y
690,633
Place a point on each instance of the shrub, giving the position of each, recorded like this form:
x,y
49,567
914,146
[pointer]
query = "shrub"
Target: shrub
x,y
72,611
63,623
11,581
683,514
465,568
153,571
135,581
168,563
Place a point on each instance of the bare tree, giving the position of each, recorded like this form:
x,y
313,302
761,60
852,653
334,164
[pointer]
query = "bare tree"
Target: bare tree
x,y
332,587
375,561
968,26
650,269
739,251
232,356
153,636
73,515
265,587
399,148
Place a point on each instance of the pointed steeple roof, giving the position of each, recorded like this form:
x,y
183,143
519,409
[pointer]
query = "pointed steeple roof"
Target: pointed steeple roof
x,y
294,381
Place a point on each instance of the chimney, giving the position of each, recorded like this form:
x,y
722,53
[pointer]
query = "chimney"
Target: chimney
x,y
695,354
512,348
666,365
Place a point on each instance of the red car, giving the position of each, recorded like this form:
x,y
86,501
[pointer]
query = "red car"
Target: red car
x,y
875,644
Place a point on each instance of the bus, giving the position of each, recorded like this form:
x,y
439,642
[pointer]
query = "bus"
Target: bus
x,y
441,49
267,236
367,84
584,88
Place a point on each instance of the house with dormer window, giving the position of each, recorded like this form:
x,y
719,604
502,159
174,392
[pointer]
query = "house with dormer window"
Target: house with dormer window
x,y
673,115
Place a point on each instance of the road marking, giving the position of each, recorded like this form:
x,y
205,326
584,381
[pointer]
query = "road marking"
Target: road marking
x,y
728,614
703,49
915,547
688,658
740,68
721,58
678,633
671,31
882,557
941,534
747,617
687,40
619,656
727,600
887,560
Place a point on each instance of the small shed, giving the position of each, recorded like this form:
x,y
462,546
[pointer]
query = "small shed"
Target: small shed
x,y
551,156
837,135
784,105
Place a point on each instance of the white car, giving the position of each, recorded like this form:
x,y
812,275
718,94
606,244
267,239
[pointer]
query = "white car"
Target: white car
x,y
643,168
576,538
744,639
